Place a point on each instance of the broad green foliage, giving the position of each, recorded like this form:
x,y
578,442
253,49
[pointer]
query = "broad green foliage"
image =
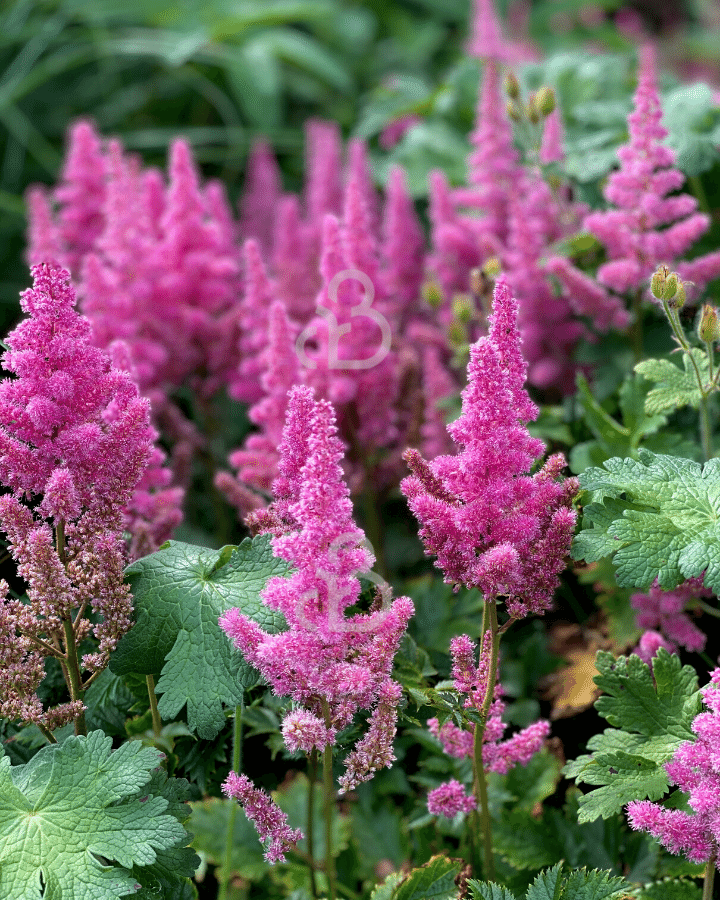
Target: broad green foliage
x,y
553,884
78,803
675,388
179,593
434,881
658,518
209,823
651,714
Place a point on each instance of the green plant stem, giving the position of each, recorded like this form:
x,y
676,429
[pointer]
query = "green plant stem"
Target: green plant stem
x,y
704,414
237,763
312,775
490,624
636,329
709,879
329,790
71,667
47,733
156,720
699,191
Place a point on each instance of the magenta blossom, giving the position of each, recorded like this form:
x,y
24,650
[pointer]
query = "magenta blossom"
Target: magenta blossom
x,y
490,523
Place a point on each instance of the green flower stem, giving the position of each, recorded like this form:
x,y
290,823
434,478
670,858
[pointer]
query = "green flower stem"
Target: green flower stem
x,y
72,663
490,623
312,775
329,790
223,890
636,329
156,720
47,733
709,879
705,391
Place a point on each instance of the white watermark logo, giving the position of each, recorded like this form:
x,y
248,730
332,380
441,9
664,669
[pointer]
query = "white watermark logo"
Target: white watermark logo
x,y
334,617
364,308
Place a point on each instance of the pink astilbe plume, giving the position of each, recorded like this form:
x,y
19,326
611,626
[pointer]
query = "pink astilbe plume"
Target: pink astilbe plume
x,y
695,769
261,194
330,663
472,679
664,612
75,436
267,817
648,223
489,522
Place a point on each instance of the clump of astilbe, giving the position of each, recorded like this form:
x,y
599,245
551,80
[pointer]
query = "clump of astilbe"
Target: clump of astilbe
x,y
75,439
498,755
329,663
661,613
649,222
695,769
490,523
154,261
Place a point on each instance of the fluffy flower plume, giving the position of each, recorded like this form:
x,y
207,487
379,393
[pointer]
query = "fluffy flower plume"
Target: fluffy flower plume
x,y
75,436
491,524
664,613
267,817
330,663
649,222
695,769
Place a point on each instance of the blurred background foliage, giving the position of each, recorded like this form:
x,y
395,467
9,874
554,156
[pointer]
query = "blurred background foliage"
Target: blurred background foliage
x,y
222,72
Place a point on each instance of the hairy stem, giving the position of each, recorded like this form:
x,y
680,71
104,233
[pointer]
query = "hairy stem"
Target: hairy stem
x,y
312,775
709,879
47,733
71,668
490,624
156,720
329,790
237,763
636,329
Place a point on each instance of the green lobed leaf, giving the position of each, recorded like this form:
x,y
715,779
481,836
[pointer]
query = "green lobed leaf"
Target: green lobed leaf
x,y
179,594
209,824
658,516
653,712
578,885
77,803
489,891
675,387
433,881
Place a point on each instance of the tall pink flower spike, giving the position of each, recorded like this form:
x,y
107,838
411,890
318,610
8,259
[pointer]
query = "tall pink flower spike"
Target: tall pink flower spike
x,y
695,769
490,523
649,223
329,663
75,433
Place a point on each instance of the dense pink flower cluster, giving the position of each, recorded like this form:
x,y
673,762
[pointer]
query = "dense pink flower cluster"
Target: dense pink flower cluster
x,y
449,799
695,769
330,663
491,524
662,614
650,223
267,817
75,441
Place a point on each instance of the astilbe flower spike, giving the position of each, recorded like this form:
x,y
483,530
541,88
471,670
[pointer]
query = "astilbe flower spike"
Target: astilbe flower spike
x,y
695,769
75,435
267,817
489,522
662,613
329,663
649,223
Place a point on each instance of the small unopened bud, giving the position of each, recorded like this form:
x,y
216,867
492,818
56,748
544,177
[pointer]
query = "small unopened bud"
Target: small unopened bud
x,y
432,293
492,267
463,308
657,284
513,111
678,300
670,286
709,329
512,86
545,101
